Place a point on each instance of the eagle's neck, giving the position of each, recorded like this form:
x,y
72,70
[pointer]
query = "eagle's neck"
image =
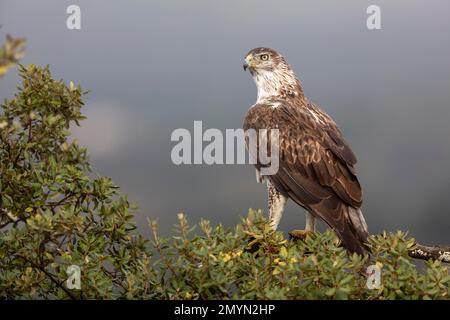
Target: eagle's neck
x,y
280,84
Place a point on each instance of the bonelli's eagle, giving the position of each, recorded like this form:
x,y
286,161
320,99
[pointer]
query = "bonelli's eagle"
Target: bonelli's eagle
x,y
316,165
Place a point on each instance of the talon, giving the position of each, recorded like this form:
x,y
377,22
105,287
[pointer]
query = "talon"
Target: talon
x,y
299,234
252,245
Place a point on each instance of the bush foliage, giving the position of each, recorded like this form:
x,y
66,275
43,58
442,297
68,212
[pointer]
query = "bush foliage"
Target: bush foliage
x,y
10,53
253,262
55,213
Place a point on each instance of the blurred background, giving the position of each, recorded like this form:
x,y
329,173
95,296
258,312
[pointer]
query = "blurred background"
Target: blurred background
x,y
156,66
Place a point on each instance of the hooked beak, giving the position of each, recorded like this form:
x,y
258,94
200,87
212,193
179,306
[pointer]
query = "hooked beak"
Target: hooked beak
x,y
248,63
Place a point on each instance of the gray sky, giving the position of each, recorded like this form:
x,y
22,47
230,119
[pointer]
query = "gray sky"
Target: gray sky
x,y
156,66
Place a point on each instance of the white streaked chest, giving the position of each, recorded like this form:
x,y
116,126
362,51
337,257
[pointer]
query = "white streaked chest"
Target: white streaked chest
x,y
267,85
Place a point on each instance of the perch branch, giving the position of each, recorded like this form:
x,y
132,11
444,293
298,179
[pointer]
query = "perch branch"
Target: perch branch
x,y
437,252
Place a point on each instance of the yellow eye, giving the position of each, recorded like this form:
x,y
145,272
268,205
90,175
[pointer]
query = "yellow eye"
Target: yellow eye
x,y
264,57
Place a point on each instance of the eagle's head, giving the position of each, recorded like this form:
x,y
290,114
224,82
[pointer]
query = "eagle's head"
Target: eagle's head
x,y
266,59
272,74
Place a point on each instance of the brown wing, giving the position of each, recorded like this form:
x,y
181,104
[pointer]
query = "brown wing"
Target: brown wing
x,y
316,166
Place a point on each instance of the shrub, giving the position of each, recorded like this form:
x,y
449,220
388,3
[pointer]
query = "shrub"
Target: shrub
x,y
253,262
53,214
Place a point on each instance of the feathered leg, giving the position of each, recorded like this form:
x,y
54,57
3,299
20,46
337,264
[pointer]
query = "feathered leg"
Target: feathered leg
x,y
310,222
277,202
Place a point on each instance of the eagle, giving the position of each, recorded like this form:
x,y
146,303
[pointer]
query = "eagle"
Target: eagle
x,y
316,165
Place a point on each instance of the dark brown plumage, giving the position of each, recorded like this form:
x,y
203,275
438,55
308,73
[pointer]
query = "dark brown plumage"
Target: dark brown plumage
x,y
316,165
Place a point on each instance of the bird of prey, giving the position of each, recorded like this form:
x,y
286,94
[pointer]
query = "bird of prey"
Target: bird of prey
x,y
316,164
